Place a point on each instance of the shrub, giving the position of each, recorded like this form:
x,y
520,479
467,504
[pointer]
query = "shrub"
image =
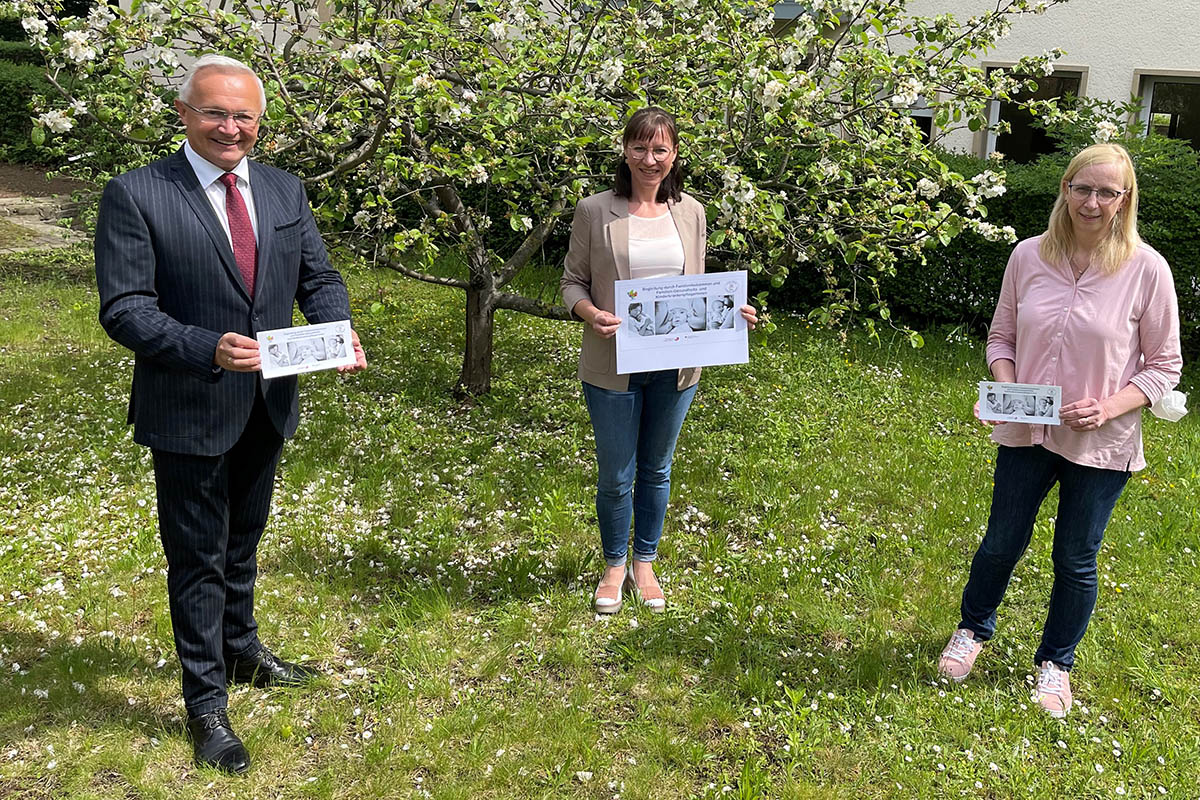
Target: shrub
x,y
11,30
959,284
18,85
20,53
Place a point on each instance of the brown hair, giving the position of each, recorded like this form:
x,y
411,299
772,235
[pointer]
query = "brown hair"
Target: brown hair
x,y
642,127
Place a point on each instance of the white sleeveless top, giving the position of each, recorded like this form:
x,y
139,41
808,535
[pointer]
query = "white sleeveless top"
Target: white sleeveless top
x,y
655,248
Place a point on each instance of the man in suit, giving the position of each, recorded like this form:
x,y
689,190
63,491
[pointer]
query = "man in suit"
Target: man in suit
x,y
195,254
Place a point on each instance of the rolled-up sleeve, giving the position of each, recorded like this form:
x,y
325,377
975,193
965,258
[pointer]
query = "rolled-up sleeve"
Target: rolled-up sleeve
x,y
1002,335
576,283
1158,332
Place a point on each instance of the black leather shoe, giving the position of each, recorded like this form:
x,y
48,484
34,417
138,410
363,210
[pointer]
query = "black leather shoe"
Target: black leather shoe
x,y
215,744
263,669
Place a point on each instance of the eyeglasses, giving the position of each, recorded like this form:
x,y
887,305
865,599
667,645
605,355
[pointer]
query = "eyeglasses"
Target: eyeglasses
x,y
217,116
1081,191
641,152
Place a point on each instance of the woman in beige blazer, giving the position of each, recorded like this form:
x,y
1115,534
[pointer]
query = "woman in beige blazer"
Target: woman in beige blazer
x,y
644,227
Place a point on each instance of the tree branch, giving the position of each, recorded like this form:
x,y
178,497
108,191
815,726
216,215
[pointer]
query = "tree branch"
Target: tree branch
x,y
532,242
363,153
393,263
527,305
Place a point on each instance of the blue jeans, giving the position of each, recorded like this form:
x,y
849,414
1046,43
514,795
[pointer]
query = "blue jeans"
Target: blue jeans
x,y
636,431
1086,496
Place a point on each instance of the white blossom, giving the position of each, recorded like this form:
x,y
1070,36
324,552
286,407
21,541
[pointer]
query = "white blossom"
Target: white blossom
x,y
773,95
908,92
477,173
447,110
56,121
162,55
155,12
468,96
610,72
928,189
34,26
77,48
498,30
362,218
519,17
991,184
359,50
1106,130
1048,66
99,17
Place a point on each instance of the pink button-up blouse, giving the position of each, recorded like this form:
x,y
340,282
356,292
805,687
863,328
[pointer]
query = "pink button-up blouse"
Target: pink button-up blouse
x,y
1092,337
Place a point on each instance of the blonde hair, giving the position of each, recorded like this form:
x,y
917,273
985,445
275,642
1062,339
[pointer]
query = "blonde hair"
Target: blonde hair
x,y
1058,243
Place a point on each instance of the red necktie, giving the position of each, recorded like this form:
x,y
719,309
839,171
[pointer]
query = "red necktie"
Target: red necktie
x,y
241,233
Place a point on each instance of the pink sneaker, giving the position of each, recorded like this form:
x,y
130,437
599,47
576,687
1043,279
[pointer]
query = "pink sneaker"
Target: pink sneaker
x,y
1053,691
959,656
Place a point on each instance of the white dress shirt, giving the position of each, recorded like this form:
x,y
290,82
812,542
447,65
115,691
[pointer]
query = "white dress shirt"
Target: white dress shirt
x,y
209,175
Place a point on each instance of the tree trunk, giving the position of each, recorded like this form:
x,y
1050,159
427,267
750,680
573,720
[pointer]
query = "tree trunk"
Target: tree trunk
x,y
476,377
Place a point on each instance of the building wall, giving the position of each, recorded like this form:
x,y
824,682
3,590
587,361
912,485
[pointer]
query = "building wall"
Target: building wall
x,y
1112,43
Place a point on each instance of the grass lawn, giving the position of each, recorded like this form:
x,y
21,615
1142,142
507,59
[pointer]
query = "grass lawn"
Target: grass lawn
x,y
436,559
13,235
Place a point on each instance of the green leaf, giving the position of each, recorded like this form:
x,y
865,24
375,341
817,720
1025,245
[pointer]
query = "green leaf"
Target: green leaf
x,y
717,238
38,135
778,211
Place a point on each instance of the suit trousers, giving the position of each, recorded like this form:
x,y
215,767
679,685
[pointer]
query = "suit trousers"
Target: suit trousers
x,y
212,511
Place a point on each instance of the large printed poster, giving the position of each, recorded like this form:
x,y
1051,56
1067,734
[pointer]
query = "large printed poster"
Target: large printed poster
x,y
684,321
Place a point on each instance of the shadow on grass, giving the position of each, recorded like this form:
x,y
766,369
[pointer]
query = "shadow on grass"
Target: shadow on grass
x,y
80,682
67,266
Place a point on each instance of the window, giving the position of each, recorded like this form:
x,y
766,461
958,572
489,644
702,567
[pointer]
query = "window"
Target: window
x,y
1171,106
1025,142
922,115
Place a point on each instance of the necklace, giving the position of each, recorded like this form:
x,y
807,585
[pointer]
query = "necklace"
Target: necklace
x,y
1078,271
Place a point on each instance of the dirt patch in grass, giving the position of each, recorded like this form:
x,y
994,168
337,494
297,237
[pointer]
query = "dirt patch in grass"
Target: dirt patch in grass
x,y
18,181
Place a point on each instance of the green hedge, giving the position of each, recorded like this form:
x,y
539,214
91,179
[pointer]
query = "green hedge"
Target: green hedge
x,y
958,285
20,53
18,83
11,30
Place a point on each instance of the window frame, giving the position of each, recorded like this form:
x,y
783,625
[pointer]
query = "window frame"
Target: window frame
x,y
1143,88
985,140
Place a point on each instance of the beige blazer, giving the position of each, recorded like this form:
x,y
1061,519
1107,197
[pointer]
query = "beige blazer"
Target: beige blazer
x,y
599,256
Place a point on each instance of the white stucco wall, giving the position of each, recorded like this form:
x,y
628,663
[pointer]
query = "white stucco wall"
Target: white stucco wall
x,y
1110,42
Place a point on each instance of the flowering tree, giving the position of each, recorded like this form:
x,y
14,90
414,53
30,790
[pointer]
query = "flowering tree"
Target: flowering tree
x,y
450,140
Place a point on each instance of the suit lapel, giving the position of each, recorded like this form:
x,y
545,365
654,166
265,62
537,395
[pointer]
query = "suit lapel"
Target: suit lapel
x,y
685,224
618,235
264,211
193,193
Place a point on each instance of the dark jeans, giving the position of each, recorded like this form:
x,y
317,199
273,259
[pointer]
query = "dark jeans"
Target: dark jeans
x,y
636,431
211,514
1086,496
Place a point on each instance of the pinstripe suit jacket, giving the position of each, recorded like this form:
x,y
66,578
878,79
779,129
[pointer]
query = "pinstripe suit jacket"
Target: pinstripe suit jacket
x,y
170,287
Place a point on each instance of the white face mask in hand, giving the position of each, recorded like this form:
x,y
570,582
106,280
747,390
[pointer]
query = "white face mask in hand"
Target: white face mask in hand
x,y
1171,407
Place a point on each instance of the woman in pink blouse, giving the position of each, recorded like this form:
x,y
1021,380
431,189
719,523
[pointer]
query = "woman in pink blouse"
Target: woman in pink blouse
x,y
1089,307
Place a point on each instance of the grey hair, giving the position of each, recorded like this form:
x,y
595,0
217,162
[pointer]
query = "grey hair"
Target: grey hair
x,y
223,64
